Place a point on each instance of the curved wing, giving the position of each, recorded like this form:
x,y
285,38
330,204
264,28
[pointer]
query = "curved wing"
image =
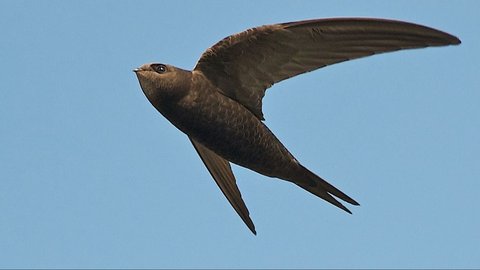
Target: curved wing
x,y
222,173
244,65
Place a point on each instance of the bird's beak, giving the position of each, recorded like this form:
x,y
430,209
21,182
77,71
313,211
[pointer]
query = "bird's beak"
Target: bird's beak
x,y
136,70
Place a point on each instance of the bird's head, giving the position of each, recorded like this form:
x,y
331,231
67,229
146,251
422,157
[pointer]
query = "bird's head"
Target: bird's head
x,y
161,82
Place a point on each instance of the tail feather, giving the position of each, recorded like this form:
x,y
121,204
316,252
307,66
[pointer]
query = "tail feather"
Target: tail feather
x,y
325,190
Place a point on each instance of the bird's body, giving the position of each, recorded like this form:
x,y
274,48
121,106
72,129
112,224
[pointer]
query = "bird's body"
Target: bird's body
x,y
229,129
218,104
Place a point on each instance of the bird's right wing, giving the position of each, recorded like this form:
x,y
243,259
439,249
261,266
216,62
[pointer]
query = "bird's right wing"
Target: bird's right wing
x,y
222,173
244,65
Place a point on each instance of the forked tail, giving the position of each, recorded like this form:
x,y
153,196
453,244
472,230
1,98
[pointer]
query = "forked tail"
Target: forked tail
x,y
325,190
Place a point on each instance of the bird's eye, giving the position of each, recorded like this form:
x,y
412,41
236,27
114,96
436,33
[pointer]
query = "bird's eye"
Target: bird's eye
x,y
159,68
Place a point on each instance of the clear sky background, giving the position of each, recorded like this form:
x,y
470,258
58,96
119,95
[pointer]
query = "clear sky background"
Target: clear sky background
x,y
92,176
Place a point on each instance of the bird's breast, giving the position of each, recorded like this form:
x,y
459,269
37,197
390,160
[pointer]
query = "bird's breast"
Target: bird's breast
x,y
229,129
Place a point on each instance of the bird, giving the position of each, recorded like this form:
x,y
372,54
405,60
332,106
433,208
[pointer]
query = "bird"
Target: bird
x,y
218,104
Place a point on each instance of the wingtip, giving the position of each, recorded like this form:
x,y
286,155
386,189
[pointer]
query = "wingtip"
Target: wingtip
x,y
450,39
251,226
456,41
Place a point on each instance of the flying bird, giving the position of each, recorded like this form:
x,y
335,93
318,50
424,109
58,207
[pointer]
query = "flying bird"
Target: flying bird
x,y
218,104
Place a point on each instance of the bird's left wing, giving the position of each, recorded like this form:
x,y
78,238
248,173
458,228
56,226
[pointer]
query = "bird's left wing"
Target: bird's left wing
x,y
221,171
244,65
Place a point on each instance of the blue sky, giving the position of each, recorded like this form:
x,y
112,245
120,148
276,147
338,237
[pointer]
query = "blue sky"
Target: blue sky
x,y
92,176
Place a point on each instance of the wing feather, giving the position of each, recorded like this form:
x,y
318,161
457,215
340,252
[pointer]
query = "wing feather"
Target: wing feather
x,y
222,173
244,65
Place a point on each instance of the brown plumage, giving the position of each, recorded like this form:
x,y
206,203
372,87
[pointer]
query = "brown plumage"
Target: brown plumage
x,y
219,104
